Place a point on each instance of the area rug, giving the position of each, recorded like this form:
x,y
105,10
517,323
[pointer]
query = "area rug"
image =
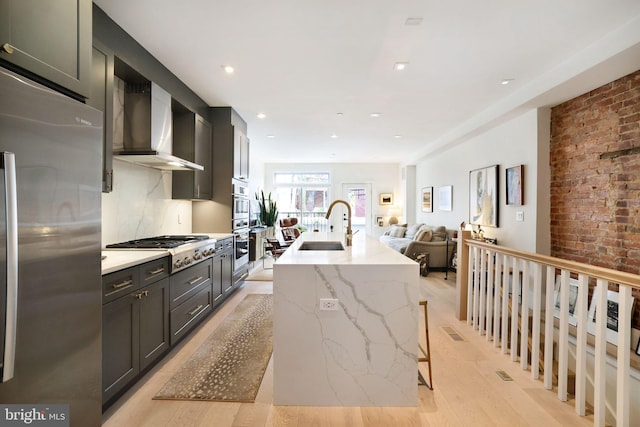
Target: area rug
x,y
230,364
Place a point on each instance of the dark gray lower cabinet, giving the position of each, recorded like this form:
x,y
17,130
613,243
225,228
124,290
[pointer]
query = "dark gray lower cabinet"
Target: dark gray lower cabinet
x,y
222,270
224,248
135,323
135,332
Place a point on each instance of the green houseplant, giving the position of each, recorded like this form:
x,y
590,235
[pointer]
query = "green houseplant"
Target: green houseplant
x,y
268,210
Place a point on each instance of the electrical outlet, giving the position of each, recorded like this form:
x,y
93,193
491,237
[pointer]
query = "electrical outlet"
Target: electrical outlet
x,y
328,304
519,216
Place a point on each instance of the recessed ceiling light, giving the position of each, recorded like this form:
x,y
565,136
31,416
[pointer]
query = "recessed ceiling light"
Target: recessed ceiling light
x,y
413,21
399,66
340,114
334,136
506,81
228,69
261,115
271,136
397,136
375,114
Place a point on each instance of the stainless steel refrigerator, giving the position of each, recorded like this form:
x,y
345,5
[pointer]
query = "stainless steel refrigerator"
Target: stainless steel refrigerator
x,y
50,240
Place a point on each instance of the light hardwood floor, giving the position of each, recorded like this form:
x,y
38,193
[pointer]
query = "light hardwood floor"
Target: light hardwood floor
x,y
467,390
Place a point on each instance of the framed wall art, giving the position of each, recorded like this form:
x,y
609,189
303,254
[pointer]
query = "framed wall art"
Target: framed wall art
x,y
483,196
514,182
386,198
379,221
427,199
444,198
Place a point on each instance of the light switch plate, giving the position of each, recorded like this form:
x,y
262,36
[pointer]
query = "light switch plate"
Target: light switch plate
x,y
520,216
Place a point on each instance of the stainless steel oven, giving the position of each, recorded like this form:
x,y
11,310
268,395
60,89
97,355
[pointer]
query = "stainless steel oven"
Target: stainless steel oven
x,y
241,257
240,207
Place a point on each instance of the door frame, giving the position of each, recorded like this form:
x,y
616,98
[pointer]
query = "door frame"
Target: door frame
x,y
368,202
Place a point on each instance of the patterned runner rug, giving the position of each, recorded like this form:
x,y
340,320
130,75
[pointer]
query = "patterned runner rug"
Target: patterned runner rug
x,y
230,364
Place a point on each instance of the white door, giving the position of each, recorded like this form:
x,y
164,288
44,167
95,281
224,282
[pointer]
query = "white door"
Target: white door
x,y
359,197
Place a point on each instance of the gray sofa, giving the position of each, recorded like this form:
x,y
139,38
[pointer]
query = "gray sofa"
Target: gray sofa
x,y
413,239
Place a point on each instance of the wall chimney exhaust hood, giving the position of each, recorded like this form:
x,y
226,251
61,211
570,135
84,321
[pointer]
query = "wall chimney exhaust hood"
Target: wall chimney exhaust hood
x,y
147,129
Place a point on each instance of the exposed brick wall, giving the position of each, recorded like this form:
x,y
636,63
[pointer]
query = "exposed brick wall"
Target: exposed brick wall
x,y
595,178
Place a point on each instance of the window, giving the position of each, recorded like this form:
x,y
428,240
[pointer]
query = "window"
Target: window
x,y
303,195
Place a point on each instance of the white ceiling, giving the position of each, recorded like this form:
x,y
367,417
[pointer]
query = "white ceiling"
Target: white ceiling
x,y
301,62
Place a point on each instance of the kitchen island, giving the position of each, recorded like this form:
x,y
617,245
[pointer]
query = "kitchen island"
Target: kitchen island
x,y
345,324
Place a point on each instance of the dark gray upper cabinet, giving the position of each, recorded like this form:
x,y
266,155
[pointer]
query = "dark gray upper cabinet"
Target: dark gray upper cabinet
x,y
102,99
50,40
192,142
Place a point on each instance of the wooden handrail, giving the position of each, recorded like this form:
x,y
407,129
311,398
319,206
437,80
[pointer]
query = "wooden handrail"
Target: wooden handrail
x,y
613,276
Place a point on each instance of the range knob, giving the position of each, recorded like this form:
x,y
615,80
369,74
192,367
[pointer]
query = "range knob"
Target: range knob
x,y
198,255
187,261
178,263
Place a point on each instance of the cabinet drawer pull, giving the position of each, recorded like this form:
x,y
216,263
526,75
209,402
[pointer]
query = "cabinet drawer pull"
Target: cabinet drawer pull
x,y
156,271
196,280
6,47
123,284
197,309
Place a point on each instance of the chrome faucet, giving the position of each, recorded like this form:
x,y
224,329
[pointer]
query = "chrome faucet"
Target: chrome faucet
x,y
349,236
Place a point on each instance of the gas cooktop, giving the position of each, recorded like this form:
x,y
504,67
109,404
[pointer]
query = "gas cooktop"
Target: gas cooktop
x,y
160,242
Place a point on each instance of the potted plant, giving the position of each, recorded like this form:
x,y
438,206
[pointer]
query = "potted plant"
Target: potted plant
x,y
268,210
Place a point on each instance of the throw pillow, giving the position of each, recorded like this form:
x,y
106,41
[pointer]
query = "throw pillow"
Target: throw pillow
x,y
397,231
412,230
424,236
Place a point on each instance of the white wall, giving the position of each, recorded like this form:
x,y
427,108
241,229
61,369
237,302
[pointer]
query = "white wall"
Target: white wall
x,y
383,177
510,144
140,205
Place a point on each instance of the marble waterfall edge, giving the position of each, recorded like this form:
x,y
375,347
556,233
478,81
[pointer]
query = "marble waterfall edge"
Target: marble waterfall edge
x,y
364,353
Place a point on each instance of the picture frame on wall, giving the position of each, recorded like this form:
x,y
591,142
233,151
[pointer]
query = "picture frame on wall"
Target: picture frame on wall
x,y
514,179
444,198
379,221
427,199
483,196
386,198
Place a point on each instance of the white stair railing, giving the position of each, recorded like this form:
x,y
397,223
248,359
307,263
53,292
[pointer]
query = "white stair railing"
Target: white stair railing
x,y
500,291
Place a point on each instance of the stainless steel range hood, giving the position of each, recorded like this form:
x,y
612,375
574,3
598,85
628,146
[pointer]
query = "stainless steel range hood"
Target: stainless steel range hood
x,y
147,129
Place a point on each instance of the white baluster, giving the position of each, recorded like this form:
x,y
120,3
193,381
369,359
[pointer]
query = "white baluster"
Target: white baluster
x,y
524,332
491,294
535,333
548,330
515,305
563,336
581,344
499,294
600,369
624,344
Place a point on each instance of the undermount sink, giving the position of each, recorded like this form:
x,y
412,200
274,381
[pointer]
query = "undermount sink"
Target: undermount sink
x,y
317,245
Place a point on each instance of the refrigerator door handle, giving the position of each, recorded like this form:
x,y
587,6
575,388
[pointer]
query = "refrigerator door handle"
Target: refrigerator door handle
x,y
11,200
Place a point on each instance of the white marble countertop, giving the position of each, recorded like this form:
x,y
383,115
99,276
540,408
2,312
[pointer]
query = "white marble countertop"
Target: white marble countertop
x,y
120,259
364,251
